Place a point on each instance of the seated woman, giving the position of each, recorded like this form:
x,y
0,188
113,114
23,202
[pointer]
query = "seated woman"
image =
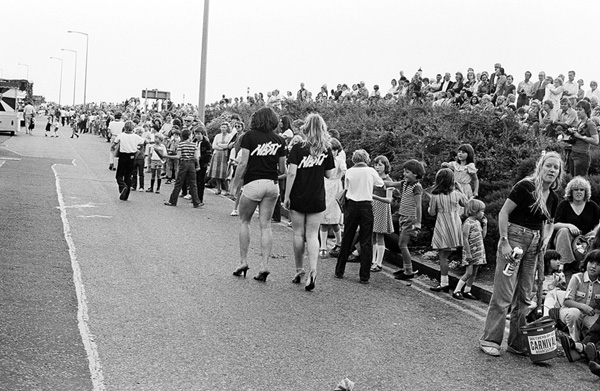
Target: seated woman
x,y
576,215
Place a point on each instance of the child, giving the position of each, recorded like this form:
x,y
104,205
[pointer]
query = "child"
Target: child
x,y
465,172
580,306
382,213
445,203
74,128
138,165
554,281
474,230
172,163
157,154
55,126
48,126
409,213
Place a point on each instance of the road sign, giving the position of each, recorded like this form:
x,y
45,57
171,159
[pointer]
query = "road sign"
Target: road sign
x,y
156,94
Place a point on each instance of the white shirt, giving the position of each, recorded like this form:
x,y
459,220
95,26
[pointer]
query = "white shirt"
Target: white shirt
x,y
360,182
590,94
116,127
571,87
128,142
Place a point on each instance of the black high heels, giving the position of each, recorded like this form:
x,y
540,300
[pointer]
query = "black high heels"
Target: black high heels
x,y
262,276
311,285
298,277
241,270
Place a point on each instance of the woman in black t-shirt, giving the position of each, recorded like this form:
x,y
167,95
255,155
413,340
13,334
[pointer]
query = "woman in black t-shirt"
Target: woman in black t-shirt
x,y
526,221
263,159
309,163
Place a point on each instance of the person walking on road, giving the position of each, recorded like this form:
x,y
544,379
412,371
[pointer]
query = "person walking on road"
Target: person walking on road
x,y
188,155
525,221
126,144
263,160
114,129
309,163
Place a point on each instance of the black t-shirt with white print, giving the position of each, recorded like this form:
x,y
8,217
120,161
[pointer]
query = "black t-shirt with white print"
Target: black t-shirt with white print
x,y
308,193
265,151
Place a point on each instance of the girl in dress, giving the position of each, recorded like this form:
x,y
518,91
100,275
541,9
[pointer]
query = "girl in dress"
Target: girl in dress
x,y
333,214
465,173
445,203
382,213
474,230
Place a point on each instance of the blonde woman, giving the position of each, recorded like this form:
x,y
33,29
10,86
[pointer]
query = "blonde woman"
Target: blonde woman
x,y
219,163
526,221
310,161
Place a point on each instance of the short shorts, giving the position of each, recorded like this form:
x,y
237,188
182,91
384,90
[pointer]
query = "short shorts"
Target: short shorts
x,y
260,189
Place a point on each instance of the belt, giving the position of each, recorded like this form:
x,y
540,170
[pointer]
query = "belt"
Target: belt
x,y
524,229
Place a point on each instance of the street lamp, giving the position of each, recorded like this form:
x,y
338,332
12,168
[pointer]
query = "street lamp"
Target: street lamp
x,y
75,77
87,39
202,96
61,71
25,65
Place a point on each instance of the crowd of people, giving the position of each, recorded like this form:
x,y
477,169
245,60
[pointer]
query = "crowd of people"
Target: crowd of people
x,y
302,165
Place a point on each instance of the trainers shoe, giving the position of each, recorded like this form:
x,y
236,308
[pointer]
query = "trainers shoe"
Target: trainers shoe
x,y
141,190
234,213
157,191
187,197
150,190
376,268
490,350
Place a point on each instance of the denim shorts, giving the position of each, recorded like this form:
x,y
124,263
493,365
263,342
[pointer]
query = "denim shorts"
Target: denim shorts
x,y
260,189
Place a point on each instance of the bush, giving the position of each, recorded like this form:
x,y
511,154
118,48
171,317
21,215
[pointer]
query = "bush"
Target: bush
x,y
504,153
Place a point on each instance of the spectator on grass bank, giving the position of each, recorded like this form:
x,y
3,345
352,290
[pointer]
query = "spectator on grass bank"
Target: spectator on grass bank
x,y
525,220
584,135
525,90
576,215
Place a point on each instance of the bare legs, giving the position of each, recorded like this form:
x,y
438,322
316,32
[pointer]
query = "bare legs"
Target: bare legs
x,y
306,231
265,210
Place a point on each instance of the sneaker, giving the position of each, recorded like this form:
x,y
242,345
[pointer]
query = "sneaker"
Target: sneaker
x,y
335,251
157,191
470,296
234,213
490,350
376,268
141,190
149,190
187,197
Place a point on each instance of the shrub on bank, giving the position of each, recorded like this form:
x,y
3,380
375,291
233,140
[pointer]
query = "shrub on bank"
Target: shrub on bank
x,y
504,153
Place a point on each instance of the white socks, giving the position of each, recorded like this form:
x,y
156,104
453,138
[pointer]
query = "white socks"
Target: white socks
x,y
444,281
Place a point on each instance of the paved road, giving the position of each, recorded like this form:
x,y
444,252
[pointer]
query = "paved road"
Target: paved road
x,y
162,311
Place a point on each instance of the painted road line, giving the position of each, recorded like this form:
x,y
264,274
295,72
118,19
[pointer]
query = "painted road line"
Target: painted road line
x,y
10,158
82,311
2,162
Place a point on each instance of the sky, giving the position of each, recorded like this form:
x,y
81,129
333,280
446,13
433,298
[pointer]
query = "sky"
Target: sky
x,y
262,45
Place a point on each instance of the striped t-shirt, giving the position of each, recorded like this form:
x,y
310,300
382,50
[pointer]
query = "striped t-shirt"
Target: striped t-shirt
x,y
408,204
187,149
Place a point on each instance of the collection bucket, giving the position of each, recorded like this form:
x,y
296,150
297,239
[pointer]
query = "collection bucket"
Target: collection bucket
x,y
541,338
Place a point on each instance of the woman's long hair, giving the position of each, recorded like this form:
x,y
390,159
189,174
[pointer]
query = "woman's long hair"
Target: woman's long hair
x,y
540,203
317,138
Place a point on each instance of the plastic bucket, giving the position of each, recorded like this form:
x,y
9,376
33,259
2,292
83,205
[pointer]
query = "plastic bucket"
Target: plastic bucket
x,y
541,338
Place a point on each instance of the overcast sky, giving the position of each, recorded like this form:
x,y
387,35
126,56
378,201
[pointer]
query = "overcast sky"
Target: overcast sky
x,y
268,44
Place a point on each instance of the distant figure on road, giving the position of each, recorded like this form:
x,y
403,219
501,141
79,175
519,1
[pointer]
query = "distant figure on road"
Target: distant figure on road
x,y
188,155
115,127
263,160
126,144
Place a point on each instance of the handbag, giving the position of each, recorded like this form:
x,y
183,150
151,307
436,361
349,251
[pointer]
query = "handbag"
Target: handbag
x,y
341,200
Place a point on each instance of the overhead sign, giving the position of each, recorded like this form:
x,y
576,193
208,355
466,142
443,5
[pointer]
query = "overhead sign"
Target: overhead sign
x,y
156,94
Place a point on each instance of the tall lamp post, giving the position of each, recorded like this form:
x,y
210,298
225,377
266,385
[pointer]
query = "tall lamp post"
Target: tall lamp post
x,y
202,94
75,77
25,65
87,39
61,72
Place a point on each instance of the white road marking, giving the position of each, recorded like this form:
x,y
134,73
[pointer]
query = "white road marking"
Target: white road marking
x,y
82,311
88,205
10,158
2,162
95,216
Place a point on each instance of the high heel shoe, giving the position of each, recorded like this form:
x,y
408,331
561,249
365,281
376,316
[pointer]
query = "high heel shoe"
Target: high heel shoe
x,y
241,270
312,278
298,277
262,276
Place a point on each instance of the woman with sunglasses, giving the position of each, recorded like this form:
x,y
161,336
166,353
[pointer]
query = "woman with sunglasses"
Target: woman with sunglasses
x,y
576,215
